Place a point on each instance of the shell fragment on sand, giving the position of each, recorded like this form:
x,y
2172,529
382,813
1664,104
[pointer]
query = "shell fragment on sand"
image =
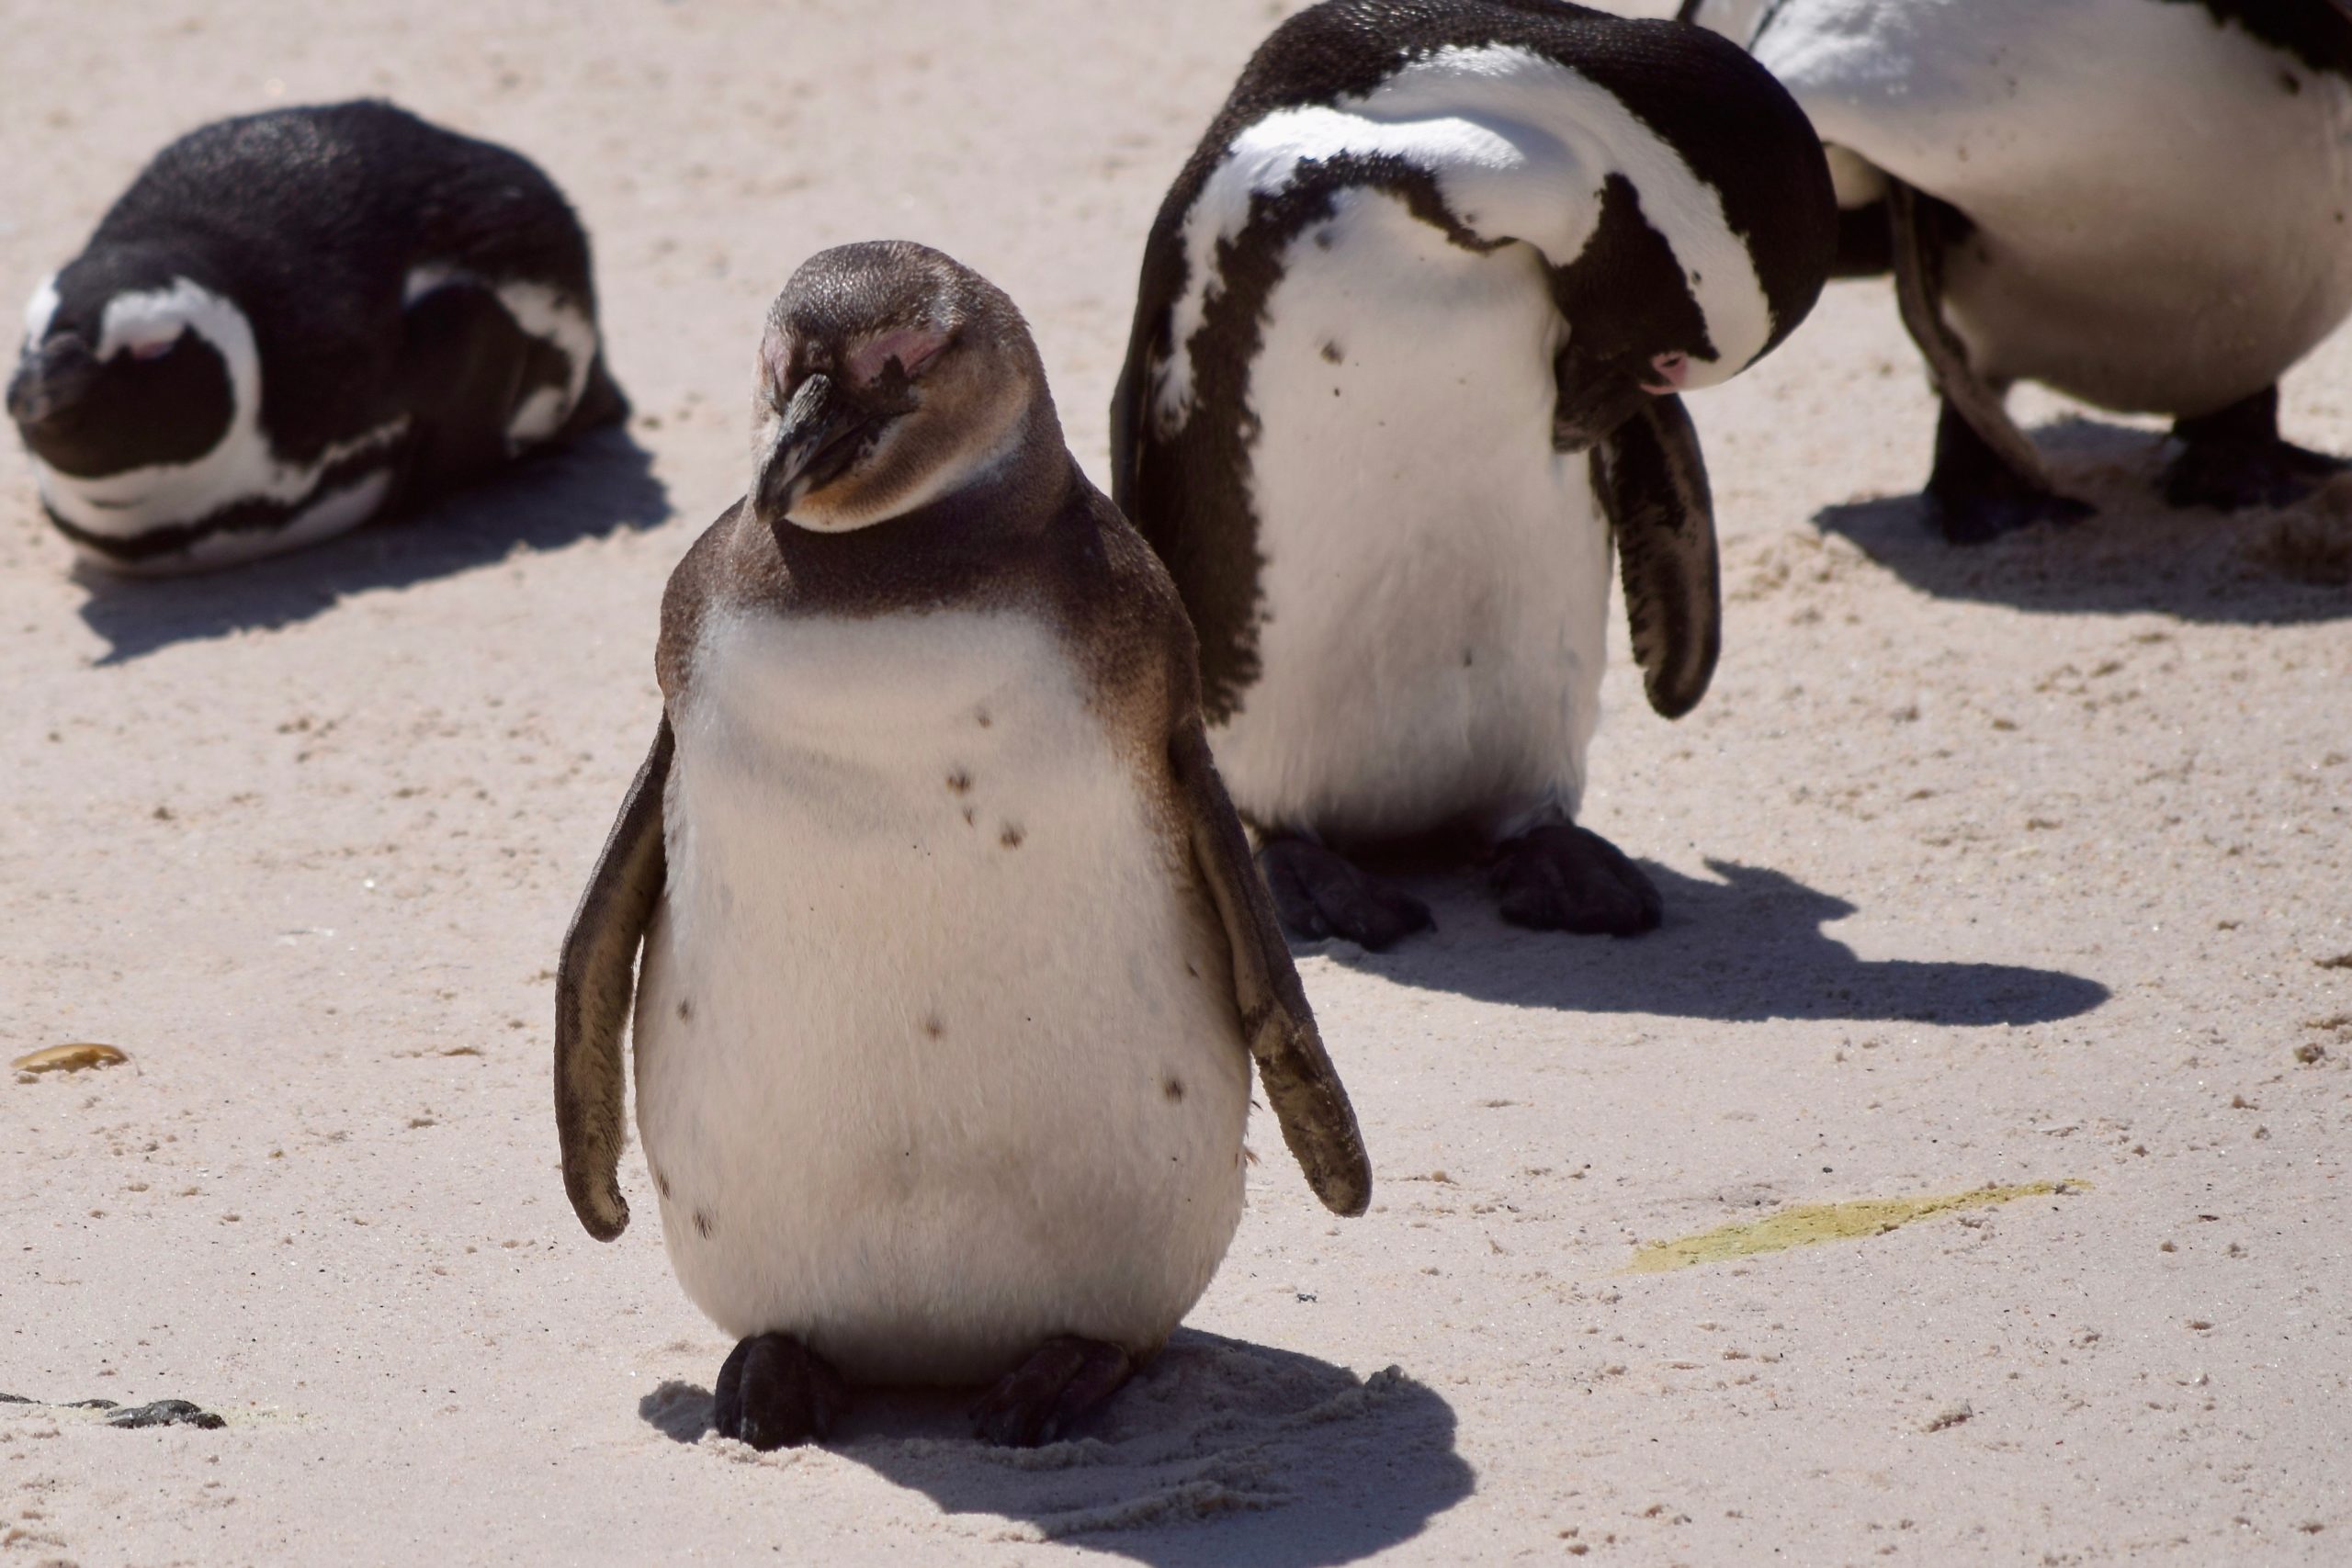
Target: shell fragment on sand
x,y
69,1058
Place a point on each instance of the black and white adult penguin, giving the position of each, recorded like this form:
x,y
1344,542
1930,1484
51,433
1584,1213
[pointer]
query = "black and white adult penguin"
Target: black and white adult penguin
x,y
2139,203
1405,360
295,322
954,960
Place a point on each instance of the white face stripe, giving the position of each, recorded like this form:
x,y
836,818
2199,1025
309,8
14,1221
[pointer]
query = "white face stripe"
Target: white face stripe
x,y
1519,146
40,309
150,316
240,468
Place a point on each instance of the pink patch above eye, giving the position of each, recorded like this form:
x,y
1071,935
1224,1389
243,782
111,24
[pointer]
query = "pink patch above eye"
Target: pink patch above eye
x,y
156,349
912,347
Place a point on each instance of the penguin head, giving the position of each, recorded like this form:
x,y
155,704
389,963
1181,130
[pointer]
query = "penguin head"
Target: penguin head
x,y
1707,262
127,364
891,376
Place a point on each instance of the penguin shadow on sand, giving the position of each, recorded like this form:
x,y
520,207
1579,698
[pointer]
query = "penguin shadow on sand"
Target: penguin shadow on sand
x,y
1744,949
2261,566
596,484
1218,1453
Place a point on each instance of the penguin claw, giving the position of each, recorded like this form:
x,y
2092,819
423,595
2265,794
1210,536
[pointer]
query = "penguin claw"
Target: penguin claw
x,y
774,1392
2229,477
1318,894
1043,1399
1571,879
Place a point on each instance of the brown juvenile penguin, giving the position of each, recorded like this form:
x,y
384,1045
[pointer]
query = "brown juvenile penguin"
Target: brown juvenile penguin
x,y
954,959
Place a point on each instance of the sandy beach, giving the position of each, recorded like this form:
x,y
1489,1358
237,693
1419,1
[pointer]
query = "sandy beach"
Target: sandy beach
x,y
2023,866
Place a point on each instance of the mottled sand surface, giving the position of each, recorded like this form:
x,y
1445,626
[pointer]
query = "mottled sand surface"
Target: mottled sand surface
x,y
2020,865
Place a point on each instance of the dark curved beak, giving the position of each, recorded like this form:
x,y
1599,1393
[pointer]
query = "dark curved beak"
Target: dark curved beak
x,y
814,441
51,379
1594,396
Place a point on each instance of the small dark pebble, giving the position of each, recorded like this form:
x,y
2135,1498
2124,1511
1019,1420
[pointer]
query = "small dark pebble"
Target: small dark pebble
x,y
92,1404
17,1399
166,1413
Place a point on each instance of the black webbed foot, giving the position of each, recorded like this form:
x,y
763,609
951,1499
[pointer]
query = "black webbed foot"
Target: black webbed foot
x,y
1567,878
2233,458
774,1392
1320,894
1974,497
1043,1399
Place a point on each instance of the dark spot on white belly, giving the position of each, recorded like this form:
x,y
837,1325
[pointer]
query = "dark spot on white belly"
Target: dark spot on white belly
x,y
932,1027
686,1010
983,718
704,1224
1012,836
1173,1087
660,1183
970,817
1331,352
959,780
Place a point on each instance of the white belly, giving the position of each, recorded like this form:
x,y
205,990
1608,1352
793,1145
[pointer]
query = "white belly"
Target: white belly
x,y
2160,218
936,1054
1435,577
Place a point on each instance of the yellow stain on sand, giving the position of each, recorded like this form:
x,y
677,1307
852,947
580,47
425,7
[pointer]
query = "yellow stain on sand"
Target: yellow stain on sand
x,y
1807,1224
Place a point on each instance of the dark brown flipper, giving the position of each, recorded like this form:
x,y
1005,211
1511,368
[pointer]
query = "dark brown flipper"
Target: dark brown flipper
x,y
1919,294
1318,1122
593,984
1652,482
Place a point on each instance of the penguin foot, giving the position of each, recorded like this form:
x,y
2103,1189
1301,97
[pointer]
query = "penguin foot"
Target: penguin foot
x,y
1318,894
774,1392
1566,879
2232,458
1975,496
2230,477
1040,1401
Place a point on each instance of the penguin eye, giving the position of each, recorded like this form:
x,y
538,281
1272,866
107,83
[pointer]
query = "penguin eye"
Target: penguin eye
x,y
153,348
911,347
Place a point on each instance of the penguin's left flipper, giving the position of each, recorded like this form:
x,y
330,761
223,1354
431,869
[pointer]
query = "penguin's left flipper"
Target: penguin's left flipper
x,y
1652,482
593,984
1303,1090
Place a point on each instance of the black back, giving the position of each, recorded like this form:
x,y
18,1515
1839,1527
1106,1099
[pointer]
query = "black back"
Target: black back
x,y
310,220
1736,128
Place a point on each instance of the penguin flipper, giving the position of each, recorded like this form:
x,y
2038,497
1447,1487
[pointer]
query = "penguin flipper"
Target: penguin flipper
x,y
1652,482
1301,1084
593,984
1919,294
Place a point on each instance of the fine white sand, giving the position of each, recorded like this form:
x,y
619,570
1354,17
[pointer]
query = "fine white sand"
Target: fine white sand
x,y
2021,865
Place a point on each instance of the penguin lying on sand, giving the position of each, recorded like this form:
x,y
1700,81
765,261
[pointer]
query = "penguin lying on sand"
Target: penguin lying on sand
x,y
2141,203
954,960
295,322
1409,333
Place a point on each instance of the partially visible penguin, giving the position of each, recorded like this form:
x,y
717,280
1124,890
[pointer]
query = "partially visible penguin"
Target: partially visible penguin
x,y
295,322
1404,371
2139,203
954,959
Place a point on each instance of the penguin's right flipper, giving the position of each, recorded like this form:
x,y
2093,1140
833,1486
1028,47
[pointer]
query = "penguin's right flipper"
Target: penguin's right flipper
x,y
1652,482
1919,294
1302,1087
593,984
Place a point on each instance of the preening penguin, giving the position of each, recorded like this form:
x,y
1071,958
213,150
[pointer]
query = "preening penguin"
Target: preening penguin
x,y
1409,335
2139,203
295,322
954,960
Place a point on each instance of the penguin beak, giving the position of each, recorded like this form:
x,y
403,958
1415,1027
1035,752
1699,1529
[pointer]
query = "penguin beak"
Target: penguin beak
x,y
51,379
816,438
